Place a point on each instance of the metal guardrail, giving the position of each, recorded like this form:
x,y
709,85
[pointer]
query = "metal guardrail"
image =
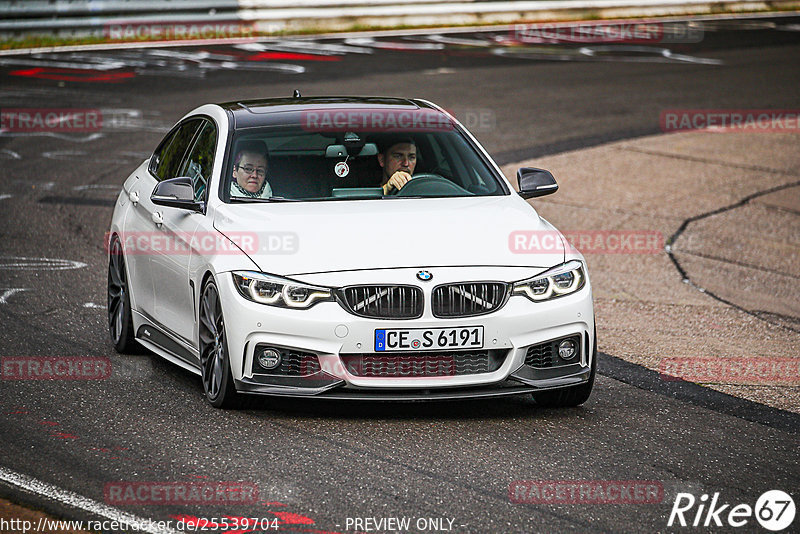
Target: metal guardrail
x,y
82,18
57,8
79,18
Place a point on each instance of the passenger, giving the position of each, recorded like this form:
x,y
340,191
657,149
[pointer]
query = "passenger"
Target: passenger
x,y
397,158
250,171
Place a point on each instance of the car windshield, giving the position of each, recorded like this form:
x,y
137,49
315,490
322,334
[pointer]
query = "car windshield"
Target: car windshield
x,y
302,163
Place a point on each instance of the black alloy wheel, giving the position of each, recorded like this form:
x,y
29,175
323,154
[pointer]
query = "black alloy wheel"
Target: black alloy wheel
x,y
120,321
214,362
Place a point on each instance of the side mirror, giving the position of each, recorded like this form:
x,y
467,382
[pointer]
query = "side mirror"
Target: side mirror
x,y
535,182
176,193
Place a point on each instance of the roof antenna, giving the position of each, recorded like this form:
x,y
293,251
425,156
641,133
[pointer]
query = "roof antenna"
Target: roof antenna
x,y
297,93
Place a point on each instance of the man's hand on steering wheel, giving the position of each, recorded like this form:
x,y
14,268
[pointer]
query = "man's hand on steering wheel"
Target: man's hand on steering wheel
x,y
396,182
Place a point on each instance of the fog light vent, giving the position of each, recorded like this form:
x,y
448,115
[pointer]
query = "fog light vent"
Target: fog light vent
x,y
552,353
283,361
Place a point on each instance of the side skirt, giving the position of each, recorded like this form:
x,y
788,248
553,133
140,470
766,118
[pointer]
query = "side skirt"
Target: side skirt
x,y
159,341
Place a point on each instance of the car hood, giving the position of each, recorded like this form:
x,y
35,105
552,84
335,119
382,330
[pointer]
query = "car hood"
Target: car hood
x,y
294,238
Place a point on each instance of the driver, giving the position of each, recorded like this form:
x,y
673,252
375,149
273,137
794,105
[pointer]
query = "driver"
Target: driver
x,y
250,171
397,158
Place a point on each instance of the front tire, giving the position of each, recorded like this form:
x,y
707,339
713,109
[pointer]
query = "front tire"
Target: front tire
x,y
214,361
571,396
120,321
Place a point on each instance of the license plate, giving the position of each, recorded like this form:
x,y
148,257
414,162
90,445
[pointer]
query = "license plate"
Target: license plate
x,y
459,337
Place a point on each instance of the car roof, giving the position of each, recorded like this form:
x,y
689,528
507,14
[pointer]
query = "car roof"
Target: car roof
x,y
290,110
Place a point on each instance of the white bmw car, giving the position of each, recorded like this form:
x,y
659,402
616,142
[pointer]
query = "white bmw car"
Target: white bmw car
x,y
346,248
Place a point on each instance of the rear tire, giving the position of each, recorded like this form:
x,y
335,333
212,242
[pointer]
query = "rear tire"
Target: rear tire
x,y
214,361
120,320
571,396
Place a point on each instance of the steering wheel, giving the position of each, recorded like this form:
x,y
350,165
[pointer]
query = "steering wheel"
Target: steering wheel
x,y
430,184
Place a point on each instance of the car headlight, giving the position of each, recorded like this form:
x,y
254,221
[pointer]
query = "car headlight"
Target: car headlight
x,y
276,291
556,282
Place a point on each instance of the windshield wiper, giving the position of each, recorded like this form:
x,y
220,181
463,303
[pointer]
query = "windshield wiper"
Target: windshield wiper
x,y
247,200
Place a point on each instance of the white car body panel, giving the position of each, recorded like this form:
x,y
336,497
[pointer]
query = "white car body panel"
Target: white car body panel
x,y
374,234
514,327
343,243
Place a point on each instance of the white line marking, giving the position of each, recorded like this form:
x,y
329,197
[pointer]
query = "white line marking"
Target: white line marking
x,y
9,292
40,264
392,45
440,70
455,40
11,153
80,502
657,52
90,137
692,59
64,154
95,186
93,305
290,45
105,64
128,46
5,196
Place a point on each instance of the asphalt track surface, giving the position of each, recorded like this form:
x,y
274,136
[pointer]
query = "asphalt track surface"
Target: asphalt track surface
x,y
316,464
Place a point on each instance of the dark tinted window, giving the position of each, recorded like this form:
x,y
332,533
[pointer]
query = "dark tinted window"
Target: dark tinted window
x,y
168,157
199,162
307,164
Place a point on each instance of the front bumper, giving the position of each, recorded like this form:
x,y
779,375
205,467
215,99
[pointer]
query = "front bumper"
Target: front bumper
x,y
339,389
331,335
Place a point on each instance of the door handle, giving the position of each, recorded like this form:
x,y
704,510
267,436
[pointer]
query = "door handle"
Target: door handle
x,y
134,196
158,218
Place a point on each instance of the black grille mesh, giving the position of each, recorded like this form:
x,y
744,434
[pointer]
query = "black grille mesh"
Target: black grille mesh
x,y
383,302
420,364
468,299
542,355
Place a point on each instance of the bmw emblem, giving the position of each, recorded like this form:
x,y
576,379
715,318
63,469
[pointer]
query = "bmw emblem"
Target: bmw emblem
x,y
425,276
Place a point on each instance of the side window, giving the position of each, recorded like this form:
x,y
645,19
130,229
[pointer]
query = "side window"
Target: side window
x,y
169,155
440,162
471,172
199,162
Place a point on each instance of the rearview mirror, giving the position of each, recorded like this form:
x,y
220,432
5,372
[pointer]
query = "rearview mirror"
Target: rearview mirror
x,y
340,151
535,182
176,193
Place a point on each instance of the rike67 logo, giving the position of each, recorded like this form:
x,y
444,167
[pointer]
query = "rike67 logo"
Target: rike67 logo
x,y
774,510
